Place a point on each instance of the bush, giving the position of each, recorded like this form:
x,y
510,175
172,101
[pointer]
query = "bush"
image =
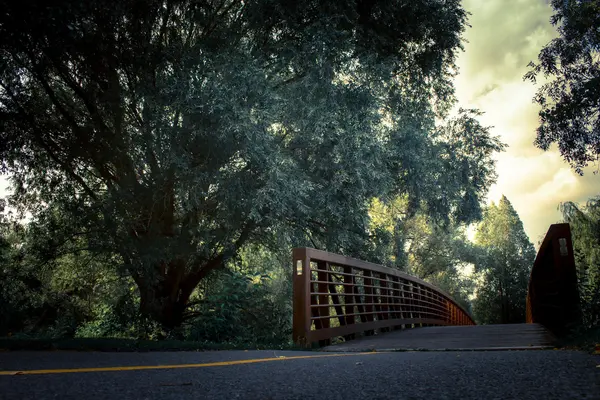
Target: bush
x,y
242,308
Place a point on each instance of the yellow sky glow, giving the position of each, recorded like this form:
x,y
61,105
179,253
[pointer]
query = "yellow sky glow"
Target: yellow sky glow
x,y
505,36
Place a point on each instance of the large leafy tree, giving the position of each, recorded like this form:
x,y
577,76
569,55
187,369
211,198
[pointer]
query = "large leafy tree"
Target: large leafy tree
x,y
169,133
504,265
570,114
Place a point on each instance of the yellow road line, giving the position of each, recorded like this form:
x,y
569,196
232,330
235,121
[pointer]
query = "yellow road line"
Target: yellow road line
x,y
147,367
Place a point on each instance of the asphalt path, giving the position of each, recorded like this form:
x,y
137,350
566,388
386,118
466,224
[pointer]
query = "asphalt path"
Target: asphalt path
x,y
533,374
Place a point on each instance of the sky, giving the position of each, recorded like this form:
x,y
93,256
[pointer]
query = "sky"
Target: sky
x,y
505,35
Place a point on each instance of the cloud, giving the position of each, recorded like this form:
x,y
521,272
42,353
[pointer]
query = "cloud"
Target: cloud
x,y
510,110
502,36
505,36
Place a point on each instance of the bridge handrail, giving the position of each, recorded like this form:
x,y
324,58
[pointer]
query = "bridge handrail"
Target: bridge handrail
x,y
370,297
552,293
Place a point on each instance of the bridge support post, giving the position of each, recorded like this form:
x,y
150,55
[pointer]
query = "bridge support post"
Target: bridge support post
x,y
552,295
301,324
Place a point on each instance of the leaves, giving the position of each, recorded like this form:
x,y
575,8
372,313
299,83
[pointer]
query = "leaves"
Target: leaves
x,y
237,308
585,231
167,135
570,105
504,264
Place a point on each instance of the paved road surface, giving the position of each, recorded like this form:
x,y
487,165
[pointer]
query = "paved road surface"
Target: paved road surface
x,y
534,374
515,336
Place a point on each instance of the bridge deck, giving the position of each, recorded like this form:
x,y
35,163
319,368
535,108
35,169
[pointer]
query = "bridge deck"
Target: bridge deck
x,y
489,337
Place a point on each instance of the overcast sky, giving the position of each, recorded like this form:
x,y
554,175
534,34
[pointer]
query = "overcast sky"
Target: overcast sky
x,y
505,36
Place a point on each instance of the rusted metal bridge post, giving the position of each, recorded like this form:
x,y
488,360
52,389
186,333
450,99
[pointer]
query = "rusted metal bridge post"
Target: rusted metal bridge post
x,y
552,295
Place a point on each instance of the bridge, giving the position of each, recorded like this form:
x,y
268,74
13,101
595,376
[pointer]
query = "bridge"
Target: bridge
x,y
345,304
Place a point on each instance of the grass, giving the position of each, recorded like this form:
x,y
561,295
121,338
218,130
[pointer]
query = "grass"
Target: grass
x,y
120,345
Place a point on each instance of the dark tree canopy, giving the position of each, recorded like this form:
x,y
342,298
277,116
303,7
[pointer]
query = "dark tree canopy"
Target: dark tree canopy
x,y
570,114
171,133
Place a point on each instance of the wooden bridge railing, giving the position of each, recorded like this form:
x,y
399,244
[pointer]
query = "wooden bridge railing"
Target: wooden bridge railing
x,y
336,295
552,295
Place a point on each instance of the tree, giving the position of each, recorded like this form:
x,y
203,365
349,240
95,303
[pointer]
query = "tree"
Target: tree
x,y
169,134
64,293
585,229
570,114
504,265
440,255
423,247
462,148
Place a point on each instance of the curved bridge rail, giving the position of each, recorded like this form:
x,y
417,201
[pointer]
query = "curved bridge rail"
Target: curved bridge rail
x,y
552,294
336,295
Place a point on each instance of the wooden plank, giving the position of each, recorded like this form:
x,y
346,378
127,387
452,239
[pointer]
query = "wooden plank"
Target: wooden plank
x,y
454,337
369,298
317,335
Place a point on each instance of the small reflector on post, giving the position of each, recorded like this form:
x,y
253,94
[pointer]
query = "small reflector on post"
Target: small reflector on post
x,y
298,267
563,247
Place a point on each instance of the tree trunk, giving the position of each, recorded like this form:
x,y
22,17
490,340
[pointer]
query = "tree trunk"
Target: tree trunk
x,y
157,304
165,299
164,296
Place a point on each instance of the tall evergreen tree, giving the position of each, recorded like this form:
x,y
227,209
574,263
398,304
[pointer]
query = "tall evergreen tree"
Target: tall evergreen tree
x,y
504,265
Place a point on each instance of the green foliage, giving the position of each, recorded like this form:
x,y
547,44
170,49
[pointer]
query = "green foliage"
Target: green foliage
x,y
434,249
466,150
73,293
503,266
422,247
570,103
164,136
20,293
585,232
459,286
241,308
28,303
441,256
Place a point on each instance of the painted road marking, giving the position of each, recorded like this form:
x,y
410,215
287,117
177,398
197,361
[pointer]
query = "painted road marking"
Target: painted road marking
x,y
148,367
